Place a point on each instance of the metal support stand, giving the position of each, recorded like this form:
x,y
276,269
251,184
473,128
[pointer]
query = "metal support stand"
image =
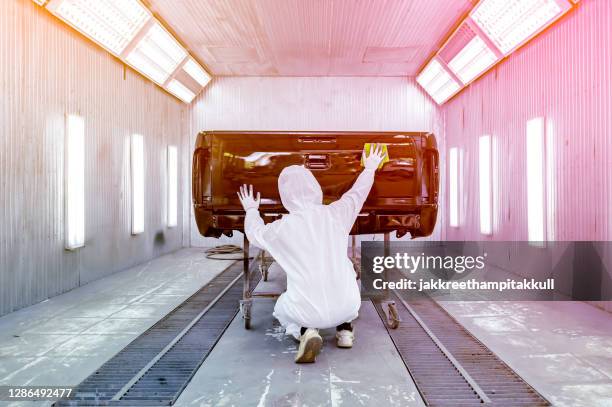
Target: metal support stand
x,y
393,319
264,265
247,301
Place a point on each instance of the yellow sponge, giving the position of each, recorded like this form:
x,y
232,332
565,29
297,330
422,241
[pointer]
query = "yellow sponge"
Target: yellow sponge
x,y
367,147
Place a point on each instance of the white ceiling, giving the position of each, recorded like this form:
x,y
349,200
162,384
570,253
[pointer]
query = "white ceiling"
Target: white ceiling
x,y
311,37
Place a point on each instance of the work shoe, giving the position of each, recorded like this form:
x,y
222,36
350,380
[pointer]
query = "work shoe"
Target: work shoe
x,y
310,346
345,338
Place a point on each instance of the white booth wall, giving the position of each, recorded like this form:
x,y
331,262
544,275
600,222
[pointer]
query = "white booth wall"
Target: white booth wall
x,y
47,71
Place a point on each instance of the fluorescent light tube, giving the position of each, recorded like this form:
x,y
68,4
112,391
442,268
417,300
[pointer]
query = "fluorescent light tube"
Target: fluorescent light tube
x,y
172,167
196,72
453,168
437,82
510,23
475,58
74,182
40,2
180,91
157,54
111,23
535,180
484,177
138,179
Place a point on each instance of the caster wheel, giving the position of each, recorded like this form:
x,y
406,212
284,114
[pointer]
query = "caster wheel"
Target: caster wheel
x,y
392,316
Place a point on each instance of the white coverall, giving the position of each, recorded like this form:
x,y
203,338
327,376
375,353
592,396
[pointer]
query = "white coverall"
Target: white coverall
x,y
310,244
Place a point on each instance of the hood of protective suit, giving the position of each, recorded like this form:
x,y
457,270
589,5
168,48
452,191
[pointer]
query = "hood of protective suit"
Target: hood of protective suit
x,y
298,188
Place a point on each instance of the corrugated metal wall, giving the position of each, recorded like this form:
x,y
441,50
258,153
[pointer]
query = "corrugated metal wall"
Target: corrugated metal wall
x,y
564,76
311,103
47,70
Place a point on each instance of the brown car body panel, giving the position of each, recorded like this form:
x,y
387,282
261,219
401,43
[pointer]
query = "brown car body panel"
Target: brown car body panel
x,y
404,197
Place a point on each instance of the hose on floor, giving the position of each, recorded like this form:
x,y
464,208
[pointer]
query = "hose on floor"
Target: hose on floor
x,y
225,252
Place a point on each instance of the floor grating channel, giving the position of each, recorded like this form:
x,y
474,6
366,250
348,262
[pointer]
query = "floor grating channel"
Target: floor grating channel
x,y
449,366
156,367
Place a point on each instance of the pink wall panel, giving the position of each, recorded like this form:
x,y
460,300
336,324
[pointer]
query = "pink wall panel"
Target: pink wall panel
x,y
312,103
564,76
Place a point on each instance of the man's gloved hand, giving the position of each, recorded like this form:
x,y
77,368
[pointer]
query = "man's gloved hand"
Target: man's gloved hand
x,y
247,199
376,156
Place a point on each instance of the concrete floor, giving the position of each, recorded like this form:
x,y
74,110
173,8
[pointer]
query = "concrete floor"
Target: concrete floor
x,y
563,349
256,368
63,340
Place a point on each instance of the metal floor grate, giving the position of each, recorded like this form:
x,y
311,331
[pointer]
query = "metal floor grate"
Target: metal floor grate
x,y
156,367
449,366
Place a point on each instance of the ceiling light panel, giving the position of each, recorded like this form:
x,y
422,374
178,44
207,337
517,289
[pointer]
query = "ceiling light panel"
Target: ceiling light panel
x,y
437,82
110,23
475,58
157,54
196,72
510,23
180,91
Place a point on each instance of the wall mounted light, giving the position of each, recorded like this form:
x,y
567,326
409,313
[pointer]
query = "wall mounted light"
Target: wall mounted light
x,y
534,143
74,182
172,170
453,176
138,183
484,178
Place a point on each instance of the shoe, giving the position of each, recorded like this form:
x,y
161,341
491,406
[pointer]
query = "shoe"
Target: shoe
x,y
345,338
310,346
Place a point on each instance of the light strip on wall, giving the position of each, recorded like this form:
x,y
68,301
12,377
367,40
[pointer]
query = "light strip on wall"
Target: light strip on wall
x,y
138,181
484,177
180,91
535,180
196,72
157,54
74,182
453,176
172,168
475,58
437,82
510,23
111,23
549,180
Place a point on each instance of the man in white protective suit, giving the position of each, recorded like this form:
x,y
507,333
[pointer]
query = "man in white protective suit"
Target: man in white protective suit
x,y
311,245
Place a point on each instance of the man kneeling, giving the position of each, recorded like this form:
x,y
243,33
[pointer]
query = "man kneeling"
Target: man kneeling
x,y
310,244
